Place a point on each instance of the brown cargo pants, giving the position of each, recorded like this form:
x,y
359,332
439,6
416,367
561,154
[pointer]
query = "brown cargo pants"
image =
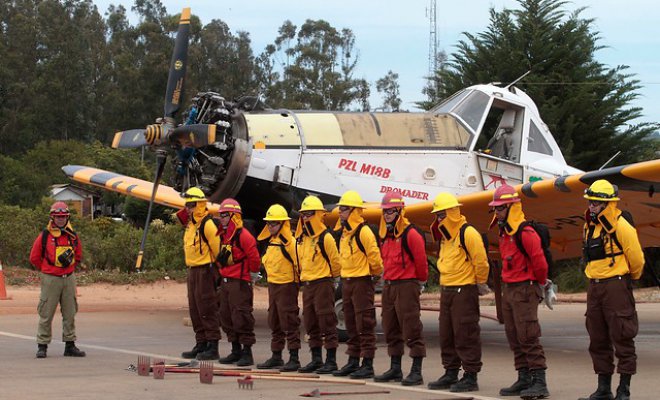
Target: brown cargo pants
x,y
460,333
520,303
202,304
235,297
360,315
283,317
611,321
401,318
319,313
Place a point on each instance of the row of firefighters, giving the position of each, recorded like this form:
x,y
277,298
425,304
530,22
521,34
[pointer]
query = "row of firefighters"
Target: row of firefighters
x,y
221,255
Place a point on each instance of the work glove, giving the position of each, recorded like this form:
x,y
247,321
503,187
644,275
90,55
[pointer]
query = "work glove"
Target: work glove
x,y
550,294
482,289
422,286
376,278
335,282
255,276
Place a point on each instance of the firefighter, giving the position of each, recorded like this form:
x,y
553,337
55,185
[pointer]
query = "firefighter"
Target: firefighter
x,y
55,253
403,250
316,251
283,278
463,266
524,276
238,257
614,259
200,247
361,267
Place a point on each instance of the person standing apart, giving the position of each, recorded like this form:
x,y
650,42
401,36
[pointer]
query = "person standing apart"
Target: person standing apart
x,y
318,258
614,259
524,276
283,280
361,266
403,250
55,253
463,266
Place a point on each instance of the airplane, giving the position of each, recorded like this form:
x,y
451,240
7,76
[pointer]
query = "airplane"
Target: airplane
x,y
469,144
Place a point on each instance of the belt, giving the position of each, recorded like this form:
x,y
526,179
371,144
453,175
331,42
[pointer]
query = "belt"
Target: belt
x,y
62,276
456,289
357,278
315,281
522,283
225,280
611,278
399,281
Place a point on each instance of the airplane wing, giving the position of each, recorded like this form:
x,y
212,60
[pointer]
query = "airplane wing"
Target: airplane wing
x,y
129,186
559,204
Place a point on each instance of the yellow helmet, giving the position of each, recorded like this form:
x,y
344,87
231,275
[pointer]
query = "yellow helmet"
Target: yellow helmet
x,y
276,213
312,203
444,201
194,194
601,190
351,199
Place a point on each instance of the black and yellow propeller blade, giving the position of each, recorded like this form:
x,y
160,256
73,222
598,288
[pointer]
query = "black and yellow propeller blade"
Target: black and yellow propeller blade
x,y
197,135
174,93
129,139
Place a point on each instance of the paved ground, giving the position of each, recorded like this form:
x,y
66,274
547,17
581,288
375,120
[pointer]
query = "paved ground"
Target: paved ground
x,y
114,338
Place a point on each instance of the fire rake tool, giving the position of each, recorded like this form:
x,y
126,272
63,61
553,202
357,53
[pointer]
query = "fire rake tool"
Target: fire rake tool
x,y
318,393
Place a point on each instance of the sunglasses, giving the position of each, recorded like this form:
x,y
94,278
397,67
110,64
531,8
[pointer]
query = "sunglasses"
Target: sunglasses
x,y
273,223
596,203
307,214
390,211
191,205
441,215
225,215
500,208
344,208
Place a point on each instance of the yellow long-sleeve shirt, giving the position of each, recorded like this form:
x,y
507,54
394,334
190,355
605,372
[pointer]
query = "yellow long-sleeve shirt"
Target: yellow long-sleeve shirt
x,y
196,250
354,262
313,265
456,268
630,262
278,268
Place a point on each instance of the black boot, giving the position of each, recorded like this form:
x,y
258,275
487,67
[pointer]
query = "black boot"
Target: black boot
x,y
393,374
445,381
414,378
604,389
246,356
351,366
366,371
524,381
316,363
623,391
294,362
70,350
275,361
199,347
539,388
42,350
330,365
234,356
468,383
211,351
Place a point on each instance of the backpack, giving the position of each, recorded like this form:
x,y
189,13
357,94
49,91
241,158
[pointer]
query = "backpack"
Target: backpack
x,y
404,240
543,232
461,237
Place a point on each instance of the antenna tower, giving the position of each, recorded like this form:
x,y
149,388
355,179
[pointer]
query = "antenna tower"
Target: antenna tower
x,y
433,39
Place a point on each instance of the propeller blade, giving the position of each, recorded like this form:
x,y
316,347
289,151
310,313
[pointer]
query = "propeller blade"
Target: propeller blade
x,y
129,139
161,158
175,81
197,135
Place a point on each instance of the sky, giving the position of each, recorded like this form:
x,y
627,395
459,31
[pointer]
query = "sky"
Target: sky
x,y
394,35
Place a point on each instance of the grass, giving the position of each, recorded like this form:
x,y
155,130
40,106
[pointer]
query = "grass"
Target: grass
x,y
16,276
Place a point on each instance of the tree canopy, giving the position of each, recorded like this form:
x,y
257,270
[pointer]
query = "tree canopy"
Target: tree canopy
x,y
586,104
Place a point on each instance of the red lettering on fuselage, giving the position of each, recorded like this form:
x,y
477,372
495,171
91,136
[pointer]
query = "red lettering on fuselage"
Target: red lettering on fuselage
x,y
365,169
413,194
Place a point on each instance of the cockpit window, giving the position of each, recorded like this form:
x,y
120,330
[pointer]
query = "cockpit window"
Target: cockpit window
x,y
537,142
446,106
473,109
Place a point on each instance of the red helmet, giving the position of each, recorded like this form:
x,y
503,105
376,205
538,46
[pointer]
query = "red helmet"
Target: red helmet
x,y
230,205
504,194
392,200
59,209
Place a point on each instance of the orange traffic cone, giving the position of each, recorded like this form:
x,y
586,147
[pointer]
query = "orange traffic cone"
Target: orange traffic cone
x,y
3,290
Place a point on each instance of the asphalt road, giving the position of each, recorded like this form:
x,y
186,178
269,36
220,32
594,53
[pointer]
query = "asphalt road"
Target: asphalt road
x,y
113,340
